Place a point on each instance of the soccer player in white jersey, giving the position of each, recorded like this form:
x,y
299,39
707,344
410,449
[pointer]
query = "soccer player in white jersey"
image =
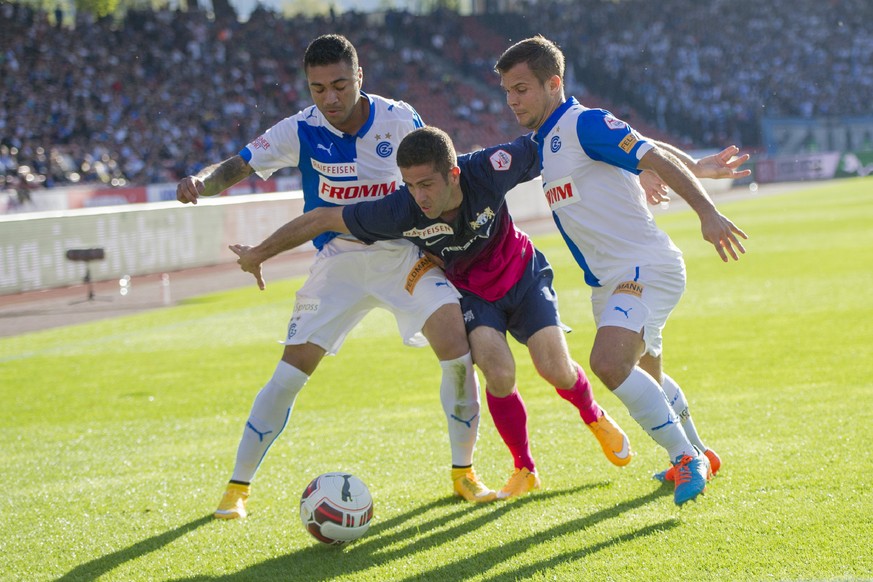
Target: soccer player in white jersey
x,y
590,164
345,147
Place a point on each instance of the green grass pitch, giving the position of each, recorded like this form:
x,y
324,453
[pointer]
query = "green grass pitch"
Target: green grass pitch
x,y
118,436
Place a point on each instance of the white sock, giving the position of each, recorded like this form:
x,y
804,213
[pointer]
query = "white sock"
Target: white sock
x,y
269,415
459,394
646,403
677,401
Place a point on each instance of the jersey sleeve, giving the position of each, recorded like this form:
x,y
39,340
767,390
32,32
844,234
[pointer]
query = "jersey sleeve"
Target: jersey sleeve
x,y
384,219
277,148
505,166
606,138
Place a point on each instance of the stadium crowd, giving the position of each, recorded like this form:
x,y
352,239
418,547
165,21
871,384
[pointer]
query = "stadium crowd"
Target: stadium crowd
x,y
144,100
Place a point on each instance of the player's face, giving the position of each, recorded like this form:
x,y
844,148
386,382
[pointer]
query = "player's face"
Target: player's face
x,y
336,91
530,100
435,195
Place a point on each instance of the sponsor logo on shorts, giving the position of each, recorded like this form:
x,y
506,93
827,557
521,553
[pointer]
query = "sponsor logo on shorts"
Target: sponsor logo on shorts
x,y
423,265
468,316
501,160
306,307
560,193
335,170
629,288
628,143
353,191
625,312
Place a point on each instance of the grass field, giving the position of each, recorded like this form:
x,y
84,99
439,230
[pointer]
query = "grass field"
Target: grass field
x,y
119,435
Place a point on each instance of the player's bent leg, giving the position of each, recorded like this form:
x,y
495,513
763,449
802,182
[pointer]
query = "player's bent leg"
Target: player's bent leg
x,y
445,332
269,415
459,395
647,404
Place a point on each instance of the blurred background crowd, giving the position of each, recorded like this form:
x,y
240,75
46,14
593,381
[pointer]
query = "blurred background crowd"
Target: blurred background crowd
x,y
158,94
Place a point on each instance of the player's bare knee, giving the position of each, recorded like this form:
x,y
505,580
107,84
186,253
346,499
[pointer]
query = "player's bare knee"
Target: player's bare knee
x,y
611,370
563,375
498,382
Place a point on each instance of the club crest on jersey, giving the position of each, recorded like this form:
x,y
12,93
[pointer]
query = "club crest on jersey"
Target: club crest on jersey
x,y
482,219
561,192
501,160
614,123
260,143
555,144
384,149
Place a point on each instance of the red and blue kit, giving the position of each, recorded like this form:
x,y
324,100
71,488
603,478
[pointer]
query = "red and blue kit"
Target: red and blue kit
x,y
504,281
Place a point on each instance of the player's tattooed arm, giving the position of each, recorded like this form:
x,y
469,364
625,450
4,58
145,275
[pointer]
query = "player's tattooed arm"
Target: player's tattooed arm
x,y
213,179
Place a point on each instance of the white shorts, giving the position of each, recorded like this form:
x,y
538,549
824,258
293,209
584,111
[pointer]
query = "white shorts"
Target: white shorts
x,y
348,279
642,299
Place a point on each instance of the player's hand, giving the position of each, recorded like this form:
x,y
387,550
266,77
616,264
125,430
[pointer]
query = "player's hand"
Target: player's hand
x,y
654,187
722,233
189,189
249,263
724,164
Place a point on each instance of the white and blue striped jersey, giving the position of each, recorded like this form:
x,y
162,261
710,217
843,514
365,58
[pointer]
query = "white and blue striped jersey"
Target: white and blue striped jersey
x,y
590,181
337,168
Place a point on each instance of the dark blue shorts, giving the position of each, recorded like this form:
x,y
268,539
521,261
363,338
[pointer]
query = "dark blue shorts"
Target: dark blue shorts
x,y
529,306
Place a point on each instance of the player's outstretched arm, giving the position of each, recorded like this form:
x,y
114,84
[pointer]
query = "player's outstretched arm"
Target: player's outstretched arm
x,y
724,164
716,228
213,179
288,236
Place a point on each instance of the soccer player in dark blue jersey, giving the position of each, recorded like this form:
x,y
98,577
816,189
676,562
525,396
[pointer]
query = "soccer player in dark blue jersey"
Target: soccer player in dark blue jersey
x,y
454,208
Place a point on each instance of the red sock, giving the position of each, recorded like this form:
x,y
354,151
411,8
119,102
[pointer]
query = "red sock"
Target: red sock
x,y
510,418
581,396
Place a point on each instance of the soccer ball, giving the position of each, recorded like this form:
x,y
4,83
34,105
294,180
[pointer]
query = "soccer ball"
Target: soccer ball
x,y
336,508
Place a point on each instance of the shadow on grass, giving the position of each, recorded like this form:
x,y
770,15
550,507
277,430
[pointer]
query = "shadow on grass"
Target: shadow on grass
x,y
481,561
99,566
402,536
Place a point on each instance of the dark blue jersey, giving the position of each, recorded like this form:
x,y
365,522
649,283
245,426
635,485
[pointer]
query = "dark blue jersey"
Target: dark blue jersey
x,y
482,250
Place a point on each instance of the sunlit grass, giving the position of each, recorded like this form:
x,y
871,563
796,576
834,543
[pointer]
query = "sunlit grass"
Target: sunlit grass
x,y
119,435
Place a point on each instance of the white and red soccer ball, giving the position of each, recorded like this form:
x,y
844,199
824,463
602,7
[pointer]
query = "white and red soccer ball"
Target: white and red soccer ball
x,y
336,508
